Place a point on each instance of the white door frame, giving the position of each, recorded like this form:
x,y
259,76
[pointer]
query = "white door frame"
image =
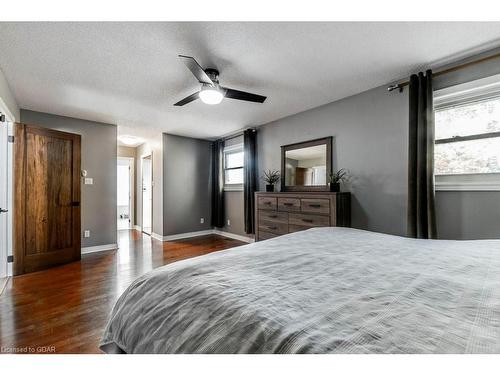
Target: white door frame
x,y
131,205
6,129
150,157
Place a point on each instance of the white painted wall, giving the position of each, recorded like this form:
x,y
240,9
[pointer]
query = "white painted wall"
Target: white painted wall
x,y
7,101
9,107
3,198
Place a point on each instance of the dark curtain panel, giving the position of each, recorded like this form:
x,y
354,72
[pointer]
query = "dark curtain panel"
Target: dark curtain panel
x,y
217,183
250,184
421,207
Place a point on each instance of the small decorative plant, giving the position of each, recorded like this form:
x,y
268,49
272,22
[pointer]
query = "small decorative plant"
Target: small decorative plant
x,y
335,178
271,178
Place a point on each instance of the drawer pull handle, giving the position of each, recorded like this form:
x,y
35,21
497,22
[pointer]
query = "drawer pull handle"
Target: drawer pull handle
x,y
307,220
267,202
273,216
288,204
315,205
272,228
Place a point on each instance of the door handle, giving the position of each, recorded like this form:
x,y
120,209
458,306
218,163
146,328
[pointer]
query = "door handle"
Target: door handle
x,y
75,204
3,210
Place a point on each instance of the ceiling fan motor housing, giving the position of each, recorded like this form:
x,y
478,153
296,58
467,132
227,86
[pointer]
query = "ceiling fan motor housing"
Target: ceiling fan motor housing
x,y
213,74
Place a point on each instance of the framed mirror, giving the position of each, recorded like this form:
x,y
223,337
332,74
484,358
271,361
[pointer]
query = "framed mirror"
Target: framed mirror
x,y
305,166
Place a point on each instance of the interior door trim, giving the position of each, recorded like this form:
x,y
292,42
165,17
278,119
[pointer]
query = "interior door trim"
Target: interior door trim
x,y
132,193
147,156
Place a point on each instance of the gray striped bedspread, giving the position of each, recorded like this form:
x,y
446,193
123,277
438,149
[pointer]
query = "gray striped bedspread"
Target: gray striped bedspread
x,y
324,290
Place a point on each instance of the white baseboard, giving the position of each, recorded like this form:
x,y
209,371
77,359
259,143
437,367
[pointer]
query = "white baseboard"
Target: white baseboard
x,y
138,227
234,236
157,236
181,236
95,249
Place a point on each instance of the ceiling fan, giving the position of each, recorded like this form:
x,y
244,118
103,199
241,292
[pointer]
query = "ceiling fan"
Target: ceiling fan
x,y
211,92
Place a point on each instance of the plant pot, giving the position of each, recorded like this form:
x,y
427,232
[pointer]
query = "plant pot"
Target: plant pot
x,y
270,188
335,187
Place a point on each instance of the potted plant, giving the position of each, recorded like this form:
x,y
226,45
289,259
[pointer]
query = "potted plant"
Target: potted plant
x,y
271,178
335,178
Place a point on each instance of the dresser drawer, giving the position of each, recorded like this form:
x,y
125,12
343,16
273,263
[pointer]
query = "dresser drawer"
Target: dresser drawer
x,y
309,220
279,213
266,236
273,227
289,204
273,216
267,203
315,206
296,228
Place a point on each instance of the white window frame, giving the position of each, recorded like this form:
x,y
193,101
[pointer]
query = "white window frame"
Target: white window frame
x,y
451,96
233,149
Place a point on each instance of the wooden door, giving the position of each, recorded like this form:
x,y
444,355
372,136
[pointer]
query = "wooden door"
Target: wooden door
x,y
46,198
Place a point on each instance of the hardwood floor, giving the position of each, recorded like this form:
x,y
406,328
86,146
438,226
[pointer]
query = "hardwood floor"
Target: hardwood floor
x,y
65,309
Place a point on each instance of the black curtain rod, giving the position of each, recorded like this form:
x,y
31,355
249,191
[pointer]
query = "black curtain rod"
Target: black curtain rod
x,y
401,85
237,134
232,137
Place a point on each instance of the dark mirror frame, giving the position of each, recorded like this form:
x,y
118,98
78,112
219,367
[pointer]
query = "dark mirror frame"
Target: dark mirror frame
x,y
328,141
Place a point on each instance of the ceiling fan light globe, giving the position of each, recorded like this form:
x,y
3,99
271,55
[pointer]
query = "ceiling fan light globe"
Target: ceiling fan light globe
x,y
129,140
211,96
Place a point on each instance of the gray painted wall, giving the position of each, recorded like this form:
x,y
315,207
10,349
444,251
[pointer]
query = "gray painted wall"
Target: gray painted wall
x,y
186,184
370,140
468,215
234,212
99,151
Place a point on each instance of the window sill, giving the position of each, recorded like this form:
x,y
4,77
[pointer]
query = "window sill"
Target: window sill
x,y
233,188
468,182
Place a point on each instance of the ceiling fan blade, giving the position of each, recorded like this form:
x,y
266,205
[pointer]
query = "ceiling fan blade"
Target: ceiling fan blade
x,y
196,69
187,99
242,95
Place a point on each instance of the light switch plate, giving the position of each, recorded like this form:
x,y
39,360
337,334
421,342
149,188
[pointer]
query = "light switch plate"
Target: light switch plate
x,y
89,181
86,233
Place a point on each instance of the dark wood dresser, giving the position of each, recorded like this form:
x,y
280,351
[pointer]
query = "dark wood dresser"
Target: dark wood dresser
x,y
281,213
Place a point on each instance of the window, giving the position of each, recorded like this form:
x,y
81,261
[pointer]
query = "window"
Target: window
x,y
233,167
467,133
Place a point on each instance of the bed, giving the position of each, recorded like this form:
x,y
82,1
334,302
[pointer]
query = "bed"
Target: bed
x,y
324,290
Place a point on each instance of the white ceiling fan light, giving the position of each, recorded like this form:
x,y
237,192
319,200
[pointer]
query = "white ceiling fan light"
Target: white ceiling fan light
x,y
211,95
130,140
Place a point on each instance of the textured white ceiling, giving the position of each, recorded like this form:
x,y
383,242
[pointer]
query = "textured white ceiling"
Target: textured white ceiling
x,y
129,74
